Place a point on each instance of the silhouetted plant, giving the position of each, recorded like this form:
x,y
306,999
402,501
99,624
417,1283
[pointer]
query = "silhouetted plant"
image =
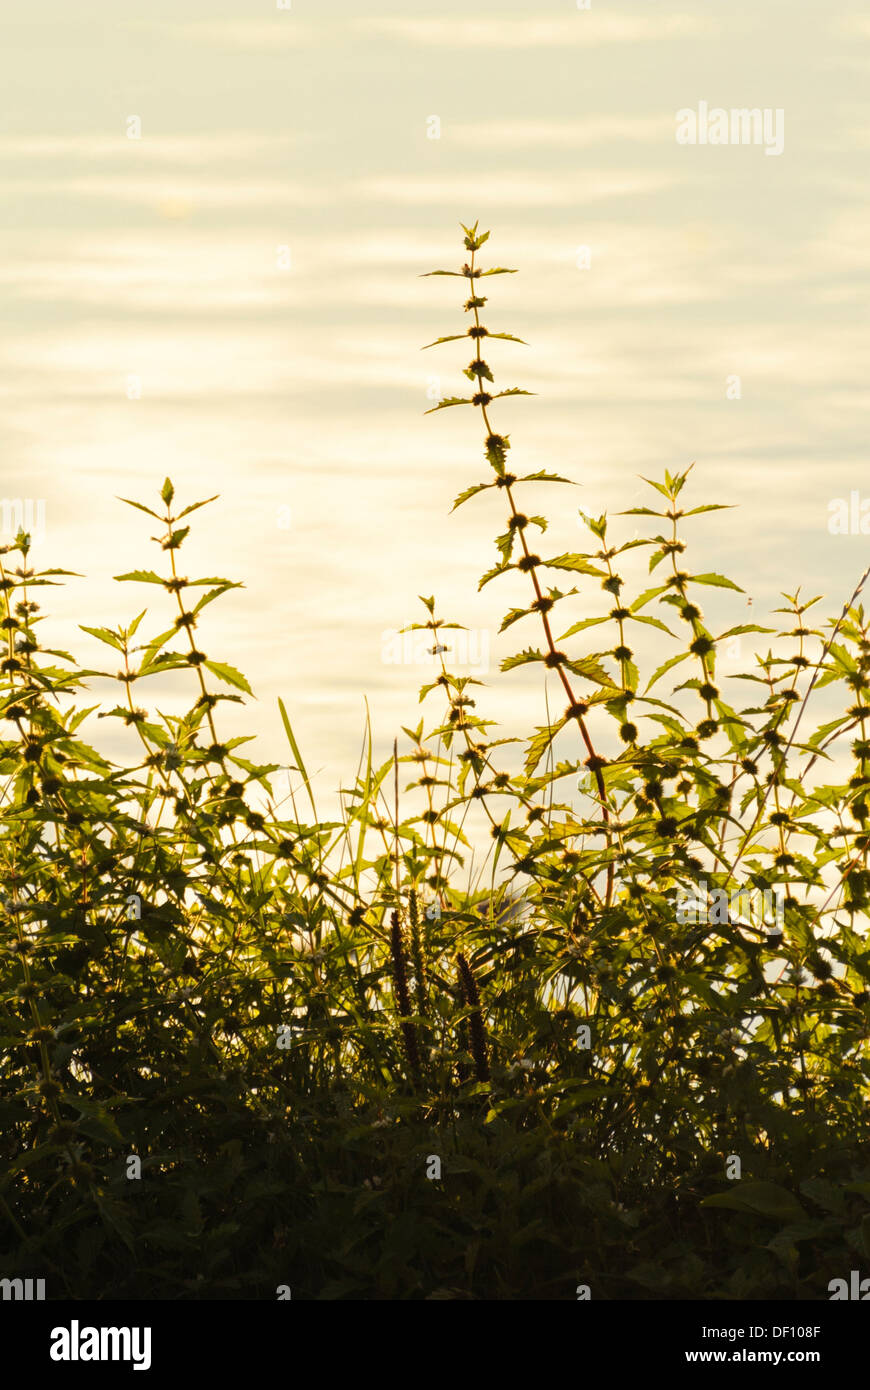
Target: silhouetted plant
x,y
216,981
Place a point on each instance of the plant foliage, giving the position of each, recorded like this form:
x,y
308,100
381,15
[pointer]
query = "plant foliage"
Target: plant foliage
x,y
285,1019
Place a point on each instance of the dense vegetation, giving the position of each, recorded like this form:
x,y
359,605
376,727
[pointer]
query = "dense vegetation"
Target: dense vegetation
x,y
292,1022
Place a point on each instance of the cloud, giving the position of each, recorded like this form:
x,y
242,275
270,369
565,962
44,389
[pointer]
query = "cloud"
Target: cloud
x,y
284,31
590,28
517,135
512,190
151,148
173,199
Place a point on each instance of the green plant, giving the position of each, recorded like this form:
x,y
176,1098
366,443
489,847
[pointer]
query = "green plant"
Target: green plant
x,y
282,1017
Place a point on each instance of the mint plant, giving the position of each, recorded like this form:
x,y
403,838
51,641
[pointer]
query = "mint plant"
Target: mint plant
x,y
235,1035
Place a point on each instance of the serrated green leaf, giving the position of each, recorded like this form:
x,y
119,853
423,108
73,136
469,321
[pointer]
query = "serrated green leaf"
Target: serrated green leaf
x,y
666,666
710,507
653,622
228,673
470,492
195,506
141,577
513,616
104,634
493,574
522,658
648,594
591,669
542,476
140,507
578,564
579,627
539,744
718,580
447,402
215,593
451,338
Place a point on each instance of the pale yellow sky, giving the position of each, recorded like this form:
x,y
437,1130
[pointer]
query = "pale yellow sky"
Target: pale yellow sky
x,y
298,393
